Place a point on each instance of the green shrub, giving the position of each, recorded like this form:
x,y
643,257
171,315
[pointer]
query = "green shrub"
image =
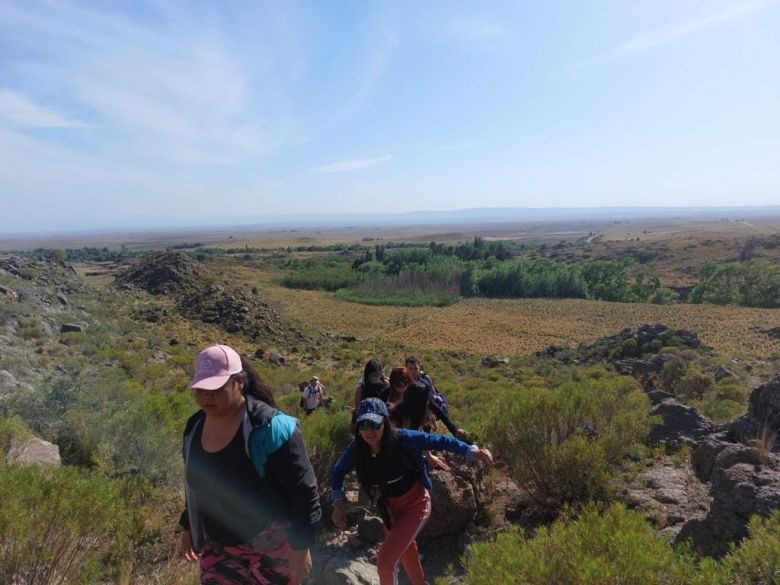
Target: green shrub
x,y
326,435
58,524
562,443
12,429
615,547
757,560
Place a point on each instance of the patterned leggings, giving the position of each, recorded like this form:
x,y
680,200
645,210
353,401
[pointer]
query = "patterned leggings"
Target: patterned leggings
x,y
246,564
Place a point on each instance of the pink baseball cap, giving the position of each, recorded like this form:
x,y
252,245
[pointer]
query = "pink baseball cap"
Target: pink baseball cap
x,y
214,366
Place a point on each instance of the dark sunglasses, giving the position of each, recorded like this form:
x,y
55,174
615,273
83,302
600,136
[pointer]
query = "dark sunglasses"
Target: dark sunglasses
x,y
365,425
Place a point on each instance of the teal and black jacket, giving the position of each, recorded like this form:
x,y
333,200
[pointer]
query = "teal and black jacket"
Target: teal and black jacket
x,y
288,487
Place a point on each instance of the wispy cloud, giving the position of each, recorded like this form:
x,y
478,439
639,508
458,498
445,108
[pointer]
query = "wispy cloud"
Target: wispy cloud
x,y
345,166
474,29
170,90
661,37
19,111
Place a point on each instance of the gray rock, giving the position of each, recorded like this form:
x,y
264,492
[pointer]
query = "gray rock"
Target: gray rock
x,y
454,505
7,381
765,403
723,372
340,570
71,328
34,451
681,425
703,457
62,299
739,491
492,361
371,529
669,494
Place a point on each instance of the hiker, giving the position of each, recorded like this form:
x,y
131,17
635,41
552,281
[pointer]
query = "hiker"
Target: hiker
x,y
372,383
390,469
417,412
399,380
439,406
251,494
313,395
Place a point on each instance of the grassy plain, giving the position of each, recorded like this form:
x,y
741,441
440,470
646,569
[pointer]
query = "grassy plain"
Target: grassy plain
x,y
518,326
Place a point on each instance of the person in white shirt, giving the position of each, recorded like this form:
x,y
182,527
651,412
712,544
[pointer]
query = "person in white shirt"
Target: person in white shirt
x,y
313,395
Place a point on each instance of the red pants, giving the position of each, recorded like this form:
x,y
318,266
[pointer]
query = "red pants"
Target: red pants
x,y
408,513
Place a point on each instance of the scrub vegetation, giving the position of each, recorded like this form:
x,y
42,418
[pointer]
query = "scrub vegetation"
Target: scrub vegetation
x,y
562,423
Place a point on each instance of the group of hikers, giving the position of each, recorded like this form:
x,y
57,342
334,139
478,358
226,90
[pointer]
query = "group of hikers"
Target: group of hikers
x,y
252,501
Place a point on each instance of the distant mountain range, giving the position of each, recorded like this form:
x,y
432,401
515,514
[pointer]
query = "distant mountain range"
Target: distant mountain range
x,y
423,217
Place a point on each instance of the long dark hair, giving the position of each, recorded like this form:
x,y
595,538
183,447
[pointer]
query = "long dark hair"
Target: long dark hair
x,y
254,385
364,457
412,410
373,380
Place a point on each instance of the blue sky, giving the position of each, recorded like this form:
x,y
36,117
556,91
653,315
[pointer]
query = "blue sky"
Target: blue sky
x,y
131,114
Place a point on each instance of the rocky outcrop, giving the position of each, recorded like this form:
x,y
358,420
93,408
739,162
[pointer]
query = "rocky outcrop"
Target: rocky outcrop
x,y
164,273
680,425
330,568
765,404
646,340
739,491
190,285
669,494
742,465
454,505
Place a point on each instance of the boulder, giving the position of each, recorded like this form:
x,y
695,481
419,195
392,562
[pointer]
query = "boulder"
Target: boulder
x,y
9,293
669,494
492,361
34,451
738,492
62,299
681,425
723,372
765,403
71,328
371,529
454,505
338,569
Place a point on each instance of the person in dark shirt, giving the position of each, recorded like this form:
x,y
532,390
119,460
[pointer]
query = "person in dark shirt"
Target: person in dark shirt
x,y
414,367
251,494
391,470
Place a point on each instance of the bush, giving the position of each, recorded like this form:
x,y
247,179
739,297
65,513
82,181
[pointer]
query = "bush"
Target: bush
x,y
757,560
326,435
562,443
12,429
57,525
615,547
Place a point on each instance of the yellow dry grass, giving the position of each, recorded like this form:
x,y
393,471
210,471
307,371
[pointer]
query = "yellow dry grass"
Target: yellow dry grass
x,y
514,327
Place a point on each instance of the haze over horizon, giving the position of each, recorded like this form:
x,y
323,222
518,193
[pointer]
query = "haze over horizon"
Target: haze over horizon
x,y
178,111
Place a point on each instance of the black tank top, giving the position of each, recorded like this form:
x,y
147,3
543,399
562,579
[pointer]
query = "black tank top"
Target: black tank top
x,y
229,490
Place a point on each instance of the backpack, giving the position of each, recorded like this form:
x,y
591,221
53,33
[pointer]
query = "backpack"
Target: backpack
x,y
436,397
441,401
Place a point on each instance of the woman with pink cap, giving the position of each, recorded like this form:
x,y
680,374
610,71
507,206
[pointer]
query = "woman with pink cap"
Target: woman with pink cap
x,y
251,494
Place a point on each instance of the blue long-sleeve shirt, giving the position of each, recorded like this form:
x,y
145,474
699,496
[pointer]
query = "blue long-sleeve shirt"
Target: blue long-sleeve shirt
x,y
415,443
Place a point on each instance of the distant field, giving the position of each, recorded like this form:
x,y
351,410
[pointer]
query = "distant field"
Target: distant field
x,y
511,327
523,326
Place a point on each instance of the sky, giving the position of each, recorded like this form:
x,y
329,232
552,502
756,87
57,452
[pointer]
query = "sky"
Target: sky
x,y
138,113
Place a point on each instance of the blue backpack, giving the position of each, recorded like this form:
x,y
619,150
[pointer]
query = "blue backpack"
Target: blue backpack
x,y
440,401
